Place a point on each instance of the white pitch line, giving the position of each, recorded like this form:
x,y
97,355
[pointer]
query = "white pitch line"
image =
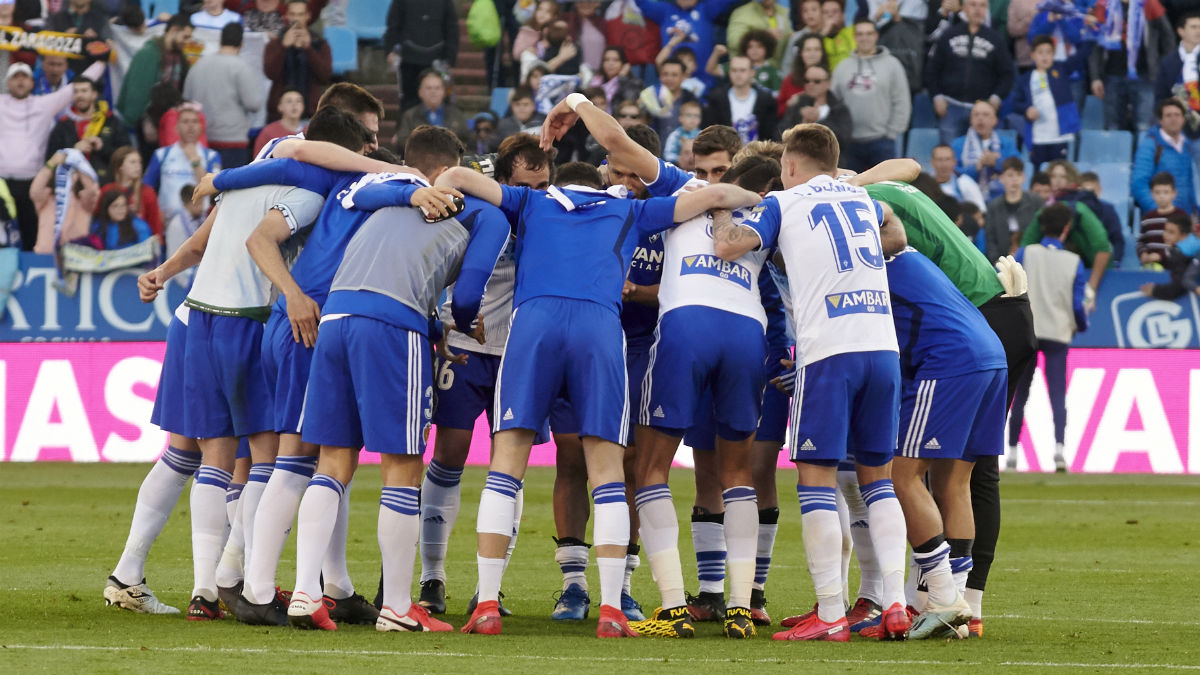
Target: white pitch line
x,y
1076,619
620,659
1106,502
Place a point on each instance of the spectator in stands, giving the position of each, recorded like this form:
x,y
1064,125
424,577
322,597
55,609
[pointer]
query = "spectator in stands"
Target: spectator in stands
x,y
742,104
969,63
530,33
1067,185
954,184
64,193
1178,77
981,151
808,20
159,60
970,223
757,45
901,26
89,127
839,38
483,126
213,14
186,221
1043,96
225,85
1087,235
1184,270
587,32
291,111
615,79
1039,185
25,124
811,53
263,16
434,109
874,87
556,50
1009,214
694,18
1164,148
1150,246
116,226
298,59
420,34
630,113
126,175
182,163
53,74
523,116
1074,37
695,81
1126,85
661,101
819,104
1190,244
762,15
81,18
1089,193
690,114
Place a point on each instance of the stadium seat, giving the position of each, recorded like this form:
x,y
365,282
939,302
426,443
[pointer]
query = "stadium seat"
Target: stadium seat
x,y
1098,146
500,100
922,112
1122,208
343,44
920,145
367,18
900,145
1093,113
1114,180
153,8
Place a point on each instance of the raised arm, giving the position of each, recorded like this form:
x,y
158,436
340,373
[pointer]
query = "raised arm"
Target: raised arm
x,y
603,127
472,183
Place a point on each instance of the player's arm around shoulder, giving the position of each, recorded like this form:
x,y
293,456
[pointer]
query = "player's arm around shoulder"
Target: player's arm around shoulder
x,y
472,183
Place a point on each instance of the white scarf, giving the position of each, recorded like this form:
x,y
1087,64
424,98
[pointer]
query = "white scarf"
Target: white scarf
x,y
1190,72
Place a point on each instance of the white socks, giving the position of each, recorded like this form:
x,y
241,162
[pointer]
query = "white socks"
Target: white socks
x,y
572,559
399,526
659,528
440,501
497,512
741,542
315,524
708,540
611,528
870,584
208,528
276,512
159,492
821,531
888,534
334,569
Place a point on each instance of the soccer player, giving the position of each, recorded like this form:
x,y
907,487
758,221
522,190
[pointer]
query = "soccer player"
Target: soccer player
x,y
952,411
466,390
935,236
372,379
567,325
696,289
847,397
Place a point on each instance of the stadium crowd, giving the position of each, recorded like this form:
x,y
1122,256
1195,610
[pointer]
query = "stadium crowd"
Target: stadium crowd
x,y
747,112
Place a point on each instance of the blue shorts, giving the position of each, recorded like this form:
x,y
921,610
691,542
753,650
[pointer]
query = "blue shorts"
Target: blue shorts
x,y
465,390
772,423
371,386
637,360
847,403
170,403
226,388
569,348
953,417
243,451
286,364
689,357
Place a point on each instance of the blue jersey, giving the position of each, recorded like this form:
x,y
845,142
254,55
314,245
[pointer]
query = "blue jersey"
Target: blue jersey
x,y
637,319
941,334
670,180
578,242
772,302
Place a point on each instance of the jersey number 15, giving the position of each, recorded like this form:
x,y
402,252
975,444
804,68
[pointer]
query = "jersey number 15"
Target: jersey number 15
x,y
848,224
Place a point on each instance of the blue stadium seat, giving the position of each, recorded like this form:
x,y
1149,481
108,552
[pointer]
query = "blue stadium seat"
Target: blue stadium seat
x,y
922,112
900,145
500,100
1098,146
343,45
1093,113
159,7
1114,180
920,144
367,18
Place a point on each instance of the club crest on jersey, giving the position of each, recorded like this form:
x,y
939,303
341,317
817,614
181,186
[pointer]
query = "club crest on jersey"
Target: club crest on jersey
x,y
857,302
715,267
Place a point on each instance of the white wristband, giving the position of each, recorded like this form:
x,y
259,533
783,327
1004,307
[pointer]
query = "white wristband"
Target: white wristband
x,y
575,99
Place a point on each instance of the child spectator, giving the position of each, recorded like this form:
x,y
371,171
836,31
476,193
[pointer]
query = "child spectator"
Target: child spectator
x,y
1150,247
483,125
1089,193
692,80
1057,281
529,34
1044,95
116,226
1184,271
970,221
523,115
662,101
1039,185
291,109
1009,214
689,129
186,221
758,46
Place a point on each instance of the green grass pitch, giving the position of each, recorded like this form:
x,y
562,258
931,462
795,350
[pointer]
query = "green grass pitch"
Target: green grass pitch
x,y
1095,574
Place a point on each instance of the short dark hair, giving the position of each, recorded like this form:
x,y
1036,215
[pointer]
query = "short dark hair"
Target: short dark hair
x,y
760,36
815,142
525,148
1039,178
431,72
939,146
754,173
430,148
865,19
672,61
231,34
1181,220
1055,218
579,173
1013,164
593,92
132,15
335,125
1162,105
1162,178
186,192
380,153
645,137
1089,177
521,91
179,20
1193,14
1041,40
716,138
351,98
88,81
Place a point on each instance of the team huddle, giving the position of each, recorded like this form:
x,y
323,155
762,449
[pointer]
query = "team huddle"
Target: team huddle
x,y
620,310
